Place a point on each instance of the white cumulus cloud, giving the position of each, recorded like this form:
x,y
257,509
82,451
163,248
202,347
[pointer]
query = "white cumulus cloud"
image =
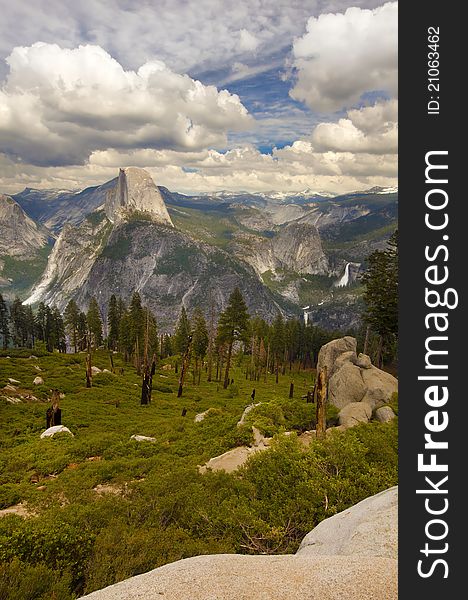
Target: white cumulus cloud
x,y
59,105
372,129
344,55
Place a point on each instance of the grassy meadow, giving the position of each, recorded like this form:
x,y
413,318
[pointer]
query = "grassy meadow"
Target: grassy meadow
x,y
100,507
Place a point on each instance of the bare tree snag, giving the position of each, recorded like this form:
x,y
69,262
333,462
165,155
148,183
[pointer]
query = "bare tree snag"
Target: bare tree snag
x,y
185,364
89,372
321,403
366,340
147,384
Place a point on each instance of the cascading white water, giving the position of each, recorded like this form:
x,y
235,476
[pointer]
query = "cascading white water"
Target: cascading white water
x,y
343,282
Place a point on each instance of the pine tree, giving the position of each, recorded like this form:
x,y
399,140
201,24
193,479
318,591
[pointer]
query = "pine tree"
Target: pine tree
x,y
71,318
278,342
19,327
93,318
381,295
4,326
41,321
200,339
233,326
125,337
82,331
56,340
113,323
182,333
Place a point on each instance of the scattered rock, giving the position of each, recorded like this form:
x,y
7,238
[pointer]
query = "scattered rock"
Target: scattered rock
x,y
102,489
17,509
10,388
38,381
55,429
13,381
41,488
384,414
106,371
349,356
167,367
354,414
231,460
346,386
33,357
331,351
369,528
94,458
37,367
12,400
201,416
142,438
246,412
380,387
364,361
95,370
306,437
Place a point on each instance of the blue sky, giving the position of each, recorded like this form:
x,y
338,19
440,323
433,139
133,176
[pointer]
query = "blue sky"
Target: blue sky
x,y
309,100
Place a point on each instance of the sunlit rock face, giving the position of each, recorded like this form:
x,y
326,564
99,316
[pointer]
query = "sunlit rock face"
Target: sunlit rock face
x,y
135,192
20,236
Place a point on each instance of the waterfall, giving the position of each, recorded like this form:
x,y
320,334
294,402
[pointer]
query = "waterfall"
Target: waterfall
x,y
343,282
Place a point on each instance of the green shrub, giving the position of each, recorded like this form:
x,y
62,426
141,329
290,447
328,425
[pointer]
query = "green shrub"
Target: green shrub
x,y
9,494
22,581
164,389
60,545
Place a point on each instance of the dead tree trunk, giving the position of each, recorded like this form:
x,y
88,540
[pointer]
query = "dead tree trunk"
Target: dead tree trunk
x,y
321,403
111,359
184,367
228,366
291,390
89,371
366,340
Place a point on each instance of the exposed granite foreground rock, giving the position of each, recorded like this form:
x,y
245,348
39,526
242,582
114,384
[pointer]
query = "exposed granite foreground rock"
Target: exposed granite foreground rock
x,y
241,577
354,414
369,528
350,556
384,414
354,380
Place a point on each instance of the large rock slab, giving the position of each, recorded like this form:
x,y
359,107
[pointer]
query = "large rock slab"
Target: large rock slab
x,y
354,413
231,460
331,351
346,385
369,528
242,577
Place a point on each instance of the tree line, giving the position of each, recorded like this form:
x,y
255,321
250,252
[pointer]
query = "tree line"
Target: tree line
x,y
203,341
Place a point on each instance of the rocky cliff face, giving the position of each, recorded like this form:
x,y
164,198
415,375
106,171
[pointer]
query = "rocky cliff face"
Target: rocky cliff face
x,y
296,247
135,192
20,236
71,260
